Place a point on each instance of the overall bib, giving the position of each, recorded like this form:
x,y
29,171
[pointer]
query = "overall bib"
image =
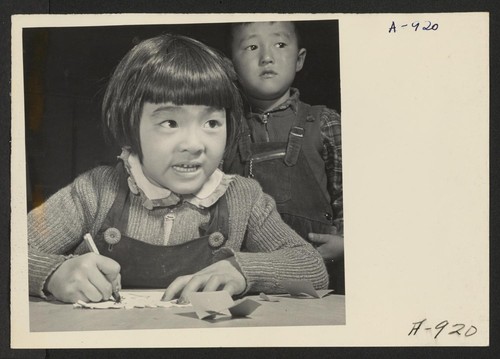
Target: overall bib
x,y
289,167
145,265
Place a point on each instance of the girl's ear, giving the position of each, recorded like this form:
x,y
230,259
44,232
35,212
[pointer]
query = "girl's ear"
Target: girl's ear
x,y
301,58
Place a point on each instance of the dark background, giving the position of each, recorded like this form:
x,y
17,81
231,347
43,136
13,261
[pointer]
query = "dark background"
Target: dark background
x,y
66,71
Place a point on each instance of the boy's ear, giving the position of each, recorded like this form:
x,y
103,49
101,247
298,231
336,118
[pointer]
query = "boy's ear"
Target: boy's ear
x,y
301,58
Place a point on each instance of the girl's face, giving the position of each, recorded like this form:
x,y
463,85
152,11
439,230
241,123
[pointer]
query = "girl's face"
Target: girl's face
x,y
182,145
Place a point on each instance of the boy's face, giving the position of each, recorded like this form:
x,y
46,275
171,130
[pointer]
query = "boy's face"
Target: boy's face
x,y
182,145
266,57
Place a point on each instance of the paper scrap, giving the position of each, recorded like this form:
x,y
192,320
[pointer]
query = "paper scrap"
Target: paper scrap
x,y
303,288
243,308
267,298
209,304
130,300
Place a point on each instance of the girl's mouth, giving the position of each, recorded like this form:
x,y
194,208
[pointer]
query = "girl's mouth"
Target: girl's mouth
x,y
186,168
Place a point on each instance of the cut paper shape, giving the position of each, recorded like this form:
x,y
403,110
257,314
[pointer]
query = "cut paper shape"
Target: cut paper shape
x,y
244,307
303,288
209,304
267,298
109,304
130,300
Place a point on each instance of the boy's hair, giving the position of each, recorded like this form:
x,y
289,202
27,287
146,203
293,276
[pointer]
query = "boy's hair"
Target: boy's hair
x,y
169,68
235,25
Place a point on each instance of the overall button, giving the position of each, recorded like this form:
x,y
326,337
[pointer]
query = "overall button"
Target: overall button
x,y
112,236
328,216
216,239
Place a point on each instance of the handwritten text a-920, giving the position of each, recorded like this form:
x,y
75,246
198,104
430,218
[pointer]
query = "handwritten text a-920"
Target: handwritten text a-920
x,y
416,25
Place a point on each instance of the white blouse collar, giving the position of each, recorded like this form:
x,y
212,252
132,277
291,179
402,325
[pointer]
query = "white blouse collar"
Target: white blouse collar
x,y
155,196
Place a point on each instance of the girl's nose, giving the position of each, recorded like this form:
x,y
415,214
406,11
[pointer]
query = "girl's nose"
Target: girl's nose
x,y
191,142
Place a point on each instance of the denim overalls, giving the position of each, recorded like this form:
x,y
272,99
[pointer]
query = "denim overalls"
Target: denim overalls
x,y
282,151
145,265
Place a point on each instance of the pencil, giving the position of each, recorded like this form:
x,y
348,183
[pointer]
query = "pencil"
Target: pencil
x,y
90,243
93,248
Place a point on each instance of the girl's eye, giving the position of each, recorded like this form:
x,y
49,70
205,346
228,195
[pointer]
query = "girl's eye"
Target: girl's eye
x,y
280,45
213,124
169,124
251,47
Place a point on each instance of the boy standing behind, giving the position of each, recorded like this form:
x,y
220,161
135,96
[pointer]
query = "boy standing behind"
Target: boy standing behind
x,y
293,149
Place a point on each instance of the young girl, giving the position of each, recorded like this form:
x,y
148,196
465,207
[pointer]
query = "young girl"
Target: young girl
x,y
166,216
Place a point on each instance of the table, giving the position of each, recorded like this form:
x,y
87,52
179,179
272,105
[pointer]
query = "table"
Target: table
x,y
289,311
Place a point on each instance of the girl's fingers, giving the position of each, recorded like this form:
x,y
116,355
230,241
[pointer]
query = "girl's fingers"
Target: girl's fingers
x,y
91,292
101,283
197,282
75,297
109,267
212,284
175,288
117,283
219,275
231,288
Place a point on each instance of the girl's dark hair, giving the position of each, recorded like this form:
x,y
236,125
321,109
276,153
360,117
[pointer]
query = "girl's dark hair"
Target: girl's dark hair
x,y
169,68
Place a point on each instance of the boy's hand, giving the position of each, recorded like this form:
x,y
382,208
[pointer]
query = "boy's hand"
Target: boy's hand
x,y
330,246
89,277
222,275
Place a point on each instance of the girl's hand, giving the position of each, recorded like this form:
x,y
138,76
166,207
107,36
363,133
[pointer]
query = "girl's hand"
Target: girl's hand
x,y
330,246
89,277
222,275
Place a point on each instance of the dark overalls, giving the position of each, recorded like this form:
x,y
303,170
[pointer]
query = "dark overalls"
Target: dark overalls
x,y
282,151
145,265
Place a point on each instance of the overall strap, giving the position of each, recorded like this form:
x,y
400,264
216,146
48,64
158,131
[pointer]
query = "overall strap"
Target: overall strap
x,y
219,219
118,214
305,113
245,142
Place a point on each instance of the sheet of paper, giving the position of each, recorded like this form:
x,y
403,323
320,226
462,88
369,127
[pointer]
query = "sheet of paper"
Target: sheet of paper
x,y
301,288
130,300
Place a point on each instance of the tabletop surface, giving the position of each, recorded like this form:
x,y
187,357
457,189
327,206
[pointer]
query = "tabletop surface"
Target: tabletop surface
x,y
48,316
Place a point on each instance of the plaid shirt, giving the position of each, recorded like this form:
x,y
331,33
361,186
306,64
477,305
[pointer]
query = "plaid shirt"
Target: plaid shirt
x,y
331,154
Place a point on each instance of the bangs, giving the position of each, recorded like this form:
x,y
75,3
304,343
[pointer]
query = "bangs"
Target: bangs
x,y
187,76
174,69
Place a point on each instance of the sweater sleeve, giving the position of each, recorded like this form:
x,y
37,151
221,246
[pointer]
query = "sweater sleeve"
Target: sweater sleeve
x,y
57,226
273,251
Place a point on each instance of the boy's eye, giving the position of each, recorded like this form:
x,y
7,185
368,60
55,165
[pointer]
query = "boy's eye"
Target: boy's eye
x,y
213,124
251,47
280,45
169,124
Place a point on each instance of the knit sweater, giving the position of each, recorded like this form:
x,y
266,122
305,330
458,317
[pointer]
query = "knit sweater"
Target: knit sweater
x,y
265,248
